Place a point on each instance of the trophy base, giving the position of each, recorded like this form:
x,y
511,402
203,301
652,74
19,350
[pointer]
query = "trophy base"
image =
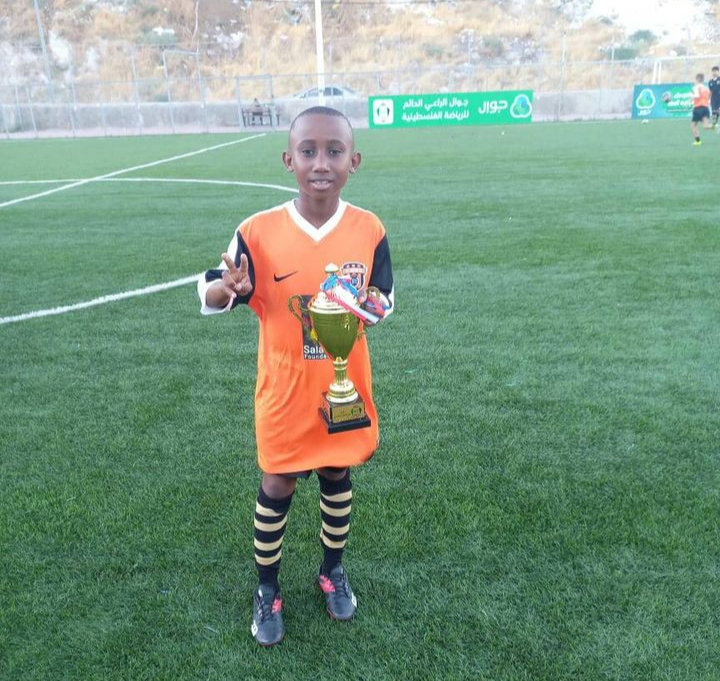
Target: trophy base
x,y
342,417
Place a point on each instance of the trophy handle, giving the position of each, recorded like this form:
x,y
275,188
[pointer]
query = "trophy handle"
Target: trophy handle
x,y
295,313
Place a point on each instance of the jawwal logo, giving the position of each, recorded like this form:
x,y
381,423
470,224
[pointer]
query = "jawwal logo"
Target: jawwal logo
x,y
645,100
521,107
383,112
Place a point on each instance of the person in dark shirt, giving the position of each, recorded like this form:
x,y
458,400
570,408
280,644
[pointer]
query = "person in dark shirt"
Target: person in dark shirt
x,y
714,86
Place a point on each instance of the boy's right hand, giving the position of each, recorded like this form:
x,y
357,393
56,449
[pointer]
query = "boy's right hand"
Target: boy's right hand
x,y
236,281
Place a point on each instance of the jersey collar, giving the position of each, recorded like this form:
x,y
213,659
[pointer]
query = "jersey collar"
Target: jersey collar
x,y
317,234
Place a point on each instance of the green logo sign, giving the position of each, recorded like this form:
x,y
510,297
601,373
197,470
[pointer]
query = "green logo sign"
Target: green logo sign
x,y
462,108
664,100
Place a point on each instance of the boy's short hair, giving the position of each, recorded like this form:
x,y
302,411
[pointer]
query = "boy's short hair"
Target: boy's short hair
x,y
716,68
700,77
322,111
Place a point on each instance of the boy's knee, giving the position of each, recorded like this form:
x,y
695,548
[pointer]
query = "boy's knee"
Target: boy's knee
x,y
278,486
332,473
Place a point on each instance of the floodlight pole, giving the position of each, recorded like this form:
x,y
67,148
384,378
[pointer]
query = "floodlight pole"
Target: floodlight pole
x,y
320,59
43,46
562,77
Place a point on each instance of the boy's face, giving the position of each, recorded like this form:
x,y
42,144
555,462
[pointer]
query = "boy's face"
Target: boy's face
x,y
715,73
321,154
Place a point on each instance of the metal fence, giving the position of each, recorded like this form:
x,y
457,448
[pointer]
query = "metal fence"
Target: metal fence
x,y
200,103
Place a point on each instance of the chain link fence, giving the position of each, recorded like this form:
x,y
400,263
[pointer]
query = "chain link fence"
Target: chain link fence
x,y
184,98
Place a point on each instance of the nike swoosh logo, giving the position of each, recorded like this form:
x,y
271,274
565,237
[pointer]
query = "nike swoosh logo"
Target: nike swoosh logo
x,y
284,276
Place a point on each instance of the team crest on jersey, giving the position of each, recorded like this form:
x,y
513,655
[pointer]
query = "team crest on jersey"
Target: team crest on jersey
x,y
355,272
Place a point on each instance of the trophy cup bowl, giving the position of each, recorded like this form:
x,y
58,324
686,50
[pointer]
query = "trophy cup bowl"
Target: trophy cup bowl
x,y
336,330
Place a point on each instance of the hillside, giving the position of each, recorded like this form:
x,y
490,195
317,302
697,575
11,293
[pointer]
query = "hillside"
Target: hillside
x,y
466,43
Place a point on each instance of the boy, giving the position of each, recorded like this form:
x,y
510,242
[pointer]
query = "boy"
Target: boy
x,y
276,254
701,110
714,87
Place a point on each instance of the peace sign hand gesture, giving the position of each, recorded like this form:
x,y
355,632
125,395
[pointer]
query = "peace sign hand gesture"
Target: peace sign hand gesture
x,y
236,280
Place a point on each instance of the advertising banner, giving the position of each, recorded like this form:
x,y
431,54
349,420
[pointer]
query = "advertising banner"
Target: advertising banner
x,y
460,108
666,100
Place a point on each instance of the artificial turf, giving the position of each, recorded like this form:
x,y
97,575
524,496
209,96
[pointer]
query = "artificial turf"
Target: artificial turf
x,y
544,504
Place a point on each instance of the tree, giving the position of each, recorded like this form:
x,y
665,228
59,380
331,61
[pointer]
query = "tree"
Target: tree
x,y
644,36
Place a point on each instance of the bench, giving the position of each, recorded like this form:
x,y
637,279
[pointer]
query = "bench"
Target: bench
x,y
258,115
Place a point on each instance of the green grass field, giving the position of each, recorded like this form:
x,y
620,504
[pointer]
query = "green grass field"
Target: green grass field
x,y
545,502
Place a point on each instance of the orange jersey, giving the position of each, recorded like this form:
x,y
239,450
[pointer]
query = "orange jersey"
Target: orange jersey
x,y
701,95
287,256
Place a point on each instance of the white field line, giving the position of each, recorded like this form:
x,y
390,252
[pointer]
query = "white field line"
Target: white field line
x,y
79,183
9,183
137,292
100,301
229,183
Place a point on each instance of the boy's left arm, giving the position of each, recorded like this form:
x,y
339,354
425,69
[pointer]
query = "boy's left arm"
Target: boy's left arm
x,y
379,295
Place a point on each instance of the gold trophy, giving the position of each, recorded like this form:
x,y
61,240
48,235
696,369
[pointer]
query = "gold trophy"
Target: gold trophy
x,y
336,329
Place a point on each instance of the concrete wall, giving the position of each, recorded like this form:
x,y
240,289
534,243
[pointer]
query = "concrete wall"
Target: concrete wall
x,y
587,105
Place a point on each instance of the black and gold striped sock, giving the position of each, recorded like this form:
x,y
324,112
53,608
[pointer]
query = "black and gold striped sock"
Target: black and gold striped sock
x,y
270,522
335,505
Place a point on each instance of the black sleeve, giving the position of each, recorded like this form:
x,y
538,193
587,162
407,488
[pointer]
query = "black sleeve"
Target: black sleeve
x,y
381,275
237,248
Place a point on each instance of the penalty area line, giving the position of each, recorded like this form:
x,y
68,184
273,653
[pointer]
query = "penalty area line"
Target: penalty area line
x,y
102,300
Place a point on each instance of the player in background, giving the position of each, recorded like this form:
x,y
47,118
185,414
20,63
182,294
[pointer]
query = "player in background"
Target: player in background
x,y
714,87
701,108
